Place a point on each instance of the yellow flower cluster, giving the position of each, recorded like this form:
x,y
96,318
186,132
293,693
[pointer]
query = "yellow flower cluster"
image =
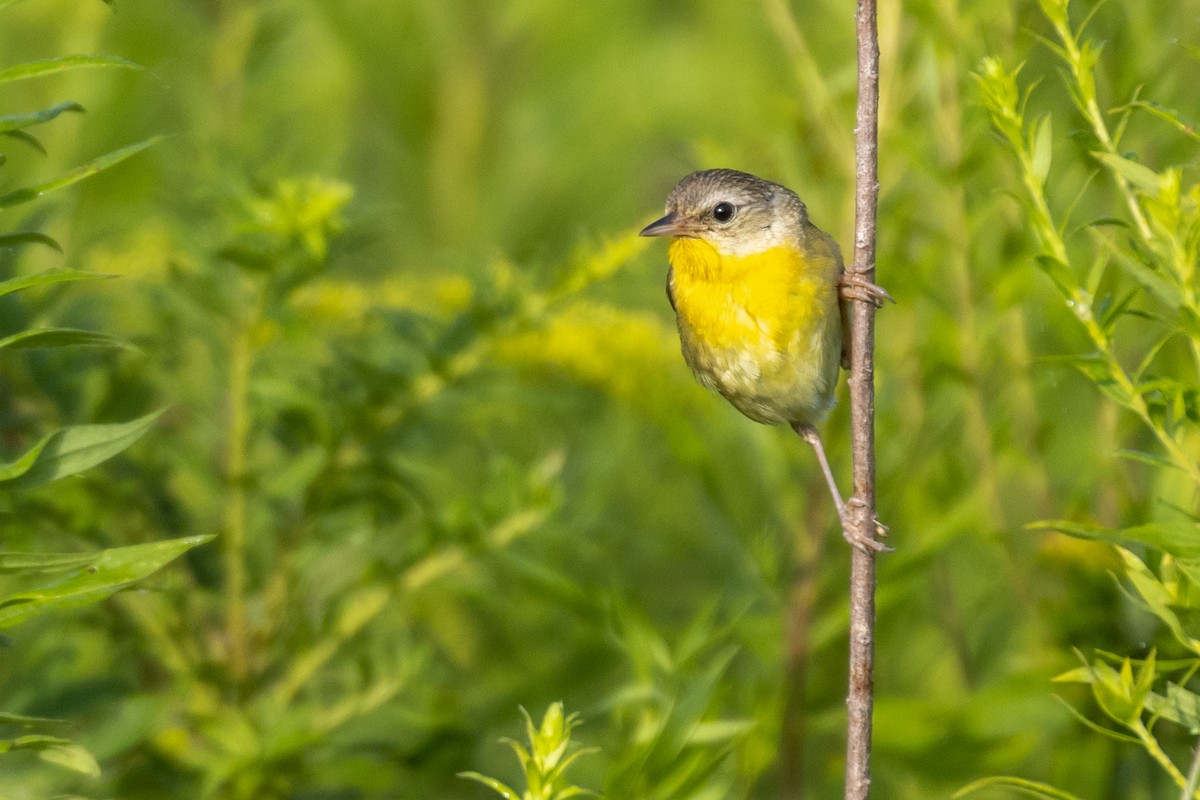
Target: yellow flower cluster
x,y
629,355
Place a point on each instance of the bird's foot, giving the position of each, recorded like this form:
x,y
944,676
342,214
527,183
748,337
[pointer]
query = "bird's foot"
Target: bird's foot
x,y
853,286
869,543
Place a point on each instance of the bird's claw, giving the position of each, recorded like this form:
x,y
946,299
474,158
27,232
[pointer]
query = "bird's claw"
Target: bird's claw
x,y
869,544
853,286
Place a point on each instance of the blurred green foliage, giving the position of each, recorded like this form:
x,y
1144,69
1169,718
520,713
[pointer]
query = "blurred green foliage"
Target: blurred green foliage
x,y
37,583
425,387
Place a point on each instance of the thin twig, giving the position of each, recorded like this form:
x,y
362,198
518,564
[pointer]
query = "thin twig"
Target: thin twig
x,y
862,414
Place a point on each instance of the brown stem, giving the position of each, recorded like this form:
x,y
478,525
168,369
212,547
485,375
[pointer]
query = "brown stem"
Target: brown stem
x,y
862,414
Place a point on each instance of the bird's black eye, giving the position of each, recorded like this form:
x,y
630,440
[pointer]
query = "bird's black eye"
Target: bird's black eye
x,y
723,212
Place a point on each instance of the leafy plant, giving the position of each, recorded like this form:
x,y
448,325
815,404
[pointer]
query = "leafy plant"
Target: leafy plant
x,y
33,584
248,710
464,432
330,392
1130,279
544,760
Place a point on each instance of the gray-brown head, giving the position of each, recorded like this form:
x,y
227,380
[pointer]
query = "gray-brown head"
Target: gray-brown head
x,y
735,212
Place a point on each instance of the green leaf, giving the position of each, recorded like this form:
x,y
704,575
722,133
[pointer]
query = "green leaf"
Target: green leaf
x,y
1116,692
1182,123
1020,785
998,86
561,769
18,238
1147,458
1157,597
1081,530
22,465
21,719
574,791
686,713
1179,538
113,570
1059,273
32,742
43,562
45,338
13,122
1144,680
1108,312
1078,675
721,731
54,750
1180,706
1189,567
47,277
1152,280
100,164
71,450
492,783
1100,729
519,750
1041,144
47,66
73,757
1151,354
27,138
1138,174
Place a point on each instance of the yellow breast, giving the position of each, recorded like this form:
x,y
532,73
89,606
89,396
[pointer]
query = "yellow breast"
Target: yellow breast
x,y
759,300
763,329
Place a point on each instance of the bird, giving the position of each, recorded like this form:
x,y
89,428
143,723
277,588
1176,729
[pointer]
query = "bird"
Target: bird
x,y
759,294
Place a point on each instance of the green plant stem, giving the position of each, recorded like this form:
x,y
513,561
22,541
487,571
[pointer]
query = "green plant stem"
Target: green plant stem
x,y
1086,101
1133,399
1081,304
1151,744
1193,776
241,359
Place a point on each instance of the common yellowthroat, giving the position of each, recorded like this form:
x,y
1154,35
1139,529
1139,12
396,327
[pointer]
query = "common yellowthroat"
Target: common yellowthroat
x,y
758,292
